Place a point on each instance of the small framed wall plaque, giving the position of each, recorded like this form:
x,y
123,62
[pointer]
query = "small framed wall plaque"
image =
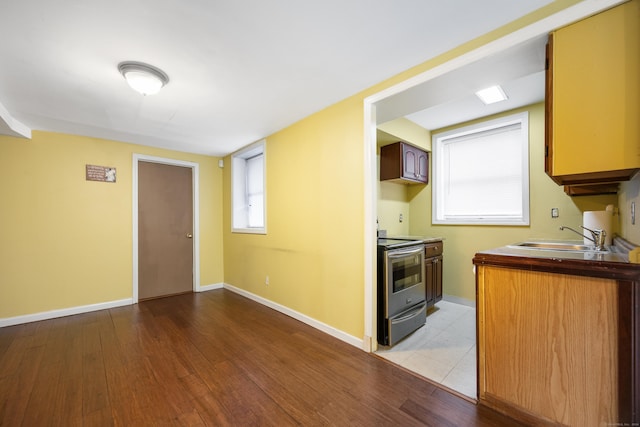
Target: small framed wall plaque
x,y
101,173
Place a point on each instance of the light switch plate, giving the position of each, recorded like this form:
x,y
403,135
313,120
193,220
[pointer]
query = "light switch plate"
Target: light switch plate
x,y
555,213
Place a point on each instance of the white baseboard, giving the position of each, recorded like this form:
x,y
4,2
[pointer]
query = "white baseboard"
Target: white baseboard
x,y
210,287
459,300
45,315
336,333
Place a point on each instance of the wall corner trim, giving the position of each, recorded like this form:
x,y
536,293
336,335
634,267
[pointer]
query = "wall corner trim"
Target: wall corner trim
x,y
214,286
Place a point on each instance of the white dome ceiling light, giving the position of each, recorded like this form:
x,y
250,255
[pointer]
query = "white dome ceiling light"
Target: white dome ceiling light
x,y
143,78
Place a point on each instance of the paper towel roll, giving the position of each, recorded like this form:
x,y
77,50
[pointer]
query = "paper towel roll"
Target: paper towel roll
x,y
602,220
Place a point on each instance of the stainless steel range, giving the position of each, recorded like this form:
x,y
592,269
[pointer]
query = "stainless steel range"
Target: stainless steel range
x,y
401,289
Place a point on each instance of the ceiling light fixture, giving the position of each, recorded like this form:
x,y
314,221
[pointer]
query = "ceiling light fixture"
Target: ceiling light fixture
x,y
491,95
143,78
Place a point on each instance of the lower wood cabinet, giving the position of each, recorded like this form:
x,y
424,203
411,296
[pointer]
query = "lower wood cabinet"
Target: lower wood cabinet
x,y
558,348
433,272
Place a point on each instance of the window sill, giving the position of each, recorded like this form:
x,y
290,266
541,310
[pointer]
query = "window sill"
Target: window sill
x,y
249,230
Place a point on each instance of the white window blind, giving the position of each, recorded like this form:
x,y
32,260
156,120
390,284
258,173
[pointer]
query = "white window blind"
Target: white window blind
x,y
255,191
249,189
481,173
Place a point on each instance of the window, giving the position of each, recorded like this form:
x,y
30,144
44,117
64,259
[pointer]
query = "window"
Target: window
x,y
248,189
481,173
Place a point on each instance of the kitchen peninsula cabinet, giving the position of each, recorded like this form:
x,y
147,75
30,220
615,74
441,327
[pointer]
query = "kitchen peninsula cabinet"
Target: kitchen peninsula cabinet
x,y
558,339
404,163
593,99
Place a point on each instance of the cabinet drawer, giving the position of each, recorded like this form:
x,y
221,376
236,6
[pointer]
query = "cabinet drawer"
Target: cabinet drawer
x,y
433,249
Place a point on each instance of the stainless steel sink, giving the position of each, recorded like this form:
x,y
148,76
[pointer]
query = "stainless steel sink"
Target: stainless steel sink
x,y
556,246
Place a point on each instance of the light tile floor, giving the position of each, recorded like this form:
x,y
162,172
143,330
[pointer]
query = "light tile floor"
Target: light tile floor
x,y
443,350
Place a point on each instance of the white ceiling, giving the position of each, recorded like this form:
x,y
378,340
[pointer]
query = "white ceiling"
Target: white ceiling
x,y
240,70
450,98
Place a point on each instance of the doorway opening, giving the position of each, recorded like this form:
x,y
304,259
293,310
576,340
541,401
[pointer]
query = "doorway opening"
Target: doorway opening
x,y
409,97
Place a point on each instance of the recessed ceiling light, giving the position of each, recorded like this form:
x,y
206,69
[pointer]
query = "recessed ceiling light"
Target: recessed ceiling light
x,y
491,95
143,78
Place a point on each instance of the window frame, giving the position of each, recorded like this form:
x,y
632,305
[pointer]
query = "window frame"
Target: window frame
x,y
438,214
239,188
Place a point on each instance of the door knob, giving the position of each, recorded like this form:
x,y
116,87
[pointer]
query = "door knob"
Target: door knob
x,y
189,235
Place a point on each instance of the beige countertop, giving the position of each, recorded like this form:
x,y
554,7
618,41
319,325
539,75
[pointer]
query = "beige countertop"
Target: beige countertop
x,y
610,255
424,239
613,264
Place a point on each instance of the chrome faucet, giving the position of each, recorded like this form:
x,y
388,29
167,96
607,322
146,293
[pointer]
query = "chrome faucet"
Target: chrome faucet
x,y
597,236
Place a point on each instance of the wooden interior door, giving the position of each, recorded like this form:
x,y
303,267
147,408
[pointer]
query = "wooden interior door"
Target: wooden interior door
x,y
165,227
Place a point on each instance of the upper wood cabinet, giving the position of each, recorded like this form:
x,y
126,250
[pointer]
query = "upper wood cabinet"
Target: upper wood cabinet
x,y
402,162
593,98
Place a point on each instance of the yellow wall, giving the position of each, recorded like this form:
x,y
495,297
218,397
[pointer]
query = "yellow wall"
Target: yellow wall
x,y
67,242
404,129
393,197
462,242
392,202
313,252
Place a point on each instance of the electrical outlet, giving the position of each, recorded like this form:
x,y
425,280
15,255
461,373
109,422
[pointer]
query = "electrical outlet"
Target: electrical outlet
x,y
555,213
266,281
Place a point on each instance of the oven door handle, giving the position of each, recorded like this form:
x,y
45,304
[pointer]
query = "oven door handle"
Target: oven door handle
x,y
401,253
411,313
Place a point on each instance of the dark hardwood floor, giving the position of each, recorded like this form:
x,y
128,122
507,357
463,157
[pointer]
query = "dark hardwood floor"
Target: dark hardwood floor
x,y
213,358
